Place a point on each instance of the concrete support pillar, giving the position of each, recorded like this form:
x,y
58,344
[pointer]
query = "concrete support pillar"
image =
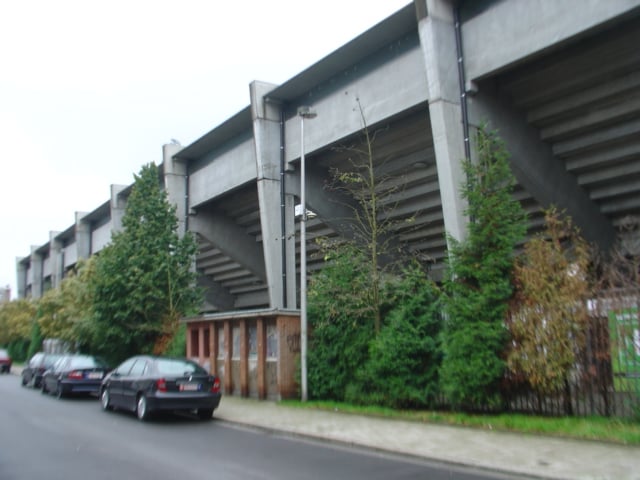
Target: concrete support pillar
x,y
21,278
279,249
37,282
175,183
55,260
438,40
83,236
117,206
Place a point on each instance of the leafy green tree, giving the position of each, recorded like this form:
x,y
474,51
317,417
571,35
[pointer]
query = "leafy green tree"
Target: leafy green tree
x,y
143,280
177,344
16,323
404,359
65,312
549,318
16,318
35,342
478,285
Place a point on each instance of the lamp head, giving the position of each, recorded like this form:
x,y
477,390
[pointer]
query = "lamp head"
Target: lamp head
x,y
306,112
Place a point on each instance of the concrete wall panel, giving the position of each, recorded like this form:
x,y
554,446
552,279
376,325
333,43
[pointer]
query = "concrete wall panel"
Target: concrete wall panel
x,y
100,237
511,31
70,255
225,171
392,87
46,267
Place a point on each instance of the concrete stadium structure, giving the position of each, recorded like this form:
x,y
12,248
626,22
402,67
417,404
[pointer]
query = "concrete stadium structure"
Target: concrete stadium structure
x,y
558,80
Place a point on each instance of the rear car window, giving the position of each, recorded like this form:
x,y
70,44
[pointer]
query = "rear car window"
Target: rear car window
x,y
168,366
49,360
36,360
85,362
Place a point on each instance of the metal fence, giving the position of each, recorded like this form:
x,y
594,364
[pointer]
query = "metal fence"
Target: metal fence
x,y
606,378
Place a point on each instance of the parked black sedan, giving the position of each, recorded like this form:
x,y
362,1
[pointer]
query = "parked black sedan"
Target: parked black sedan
x,y
36,366
147,384
74,374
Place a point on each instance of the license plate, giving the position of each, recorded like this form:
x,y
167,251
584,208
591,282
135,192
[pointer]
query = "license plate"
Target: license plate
x,y
94,375
189,387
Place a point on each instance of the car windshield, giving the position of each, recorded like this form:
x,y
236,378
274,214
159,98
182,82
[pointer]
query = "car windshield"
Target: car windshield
x,y
85,362
3,353
172,366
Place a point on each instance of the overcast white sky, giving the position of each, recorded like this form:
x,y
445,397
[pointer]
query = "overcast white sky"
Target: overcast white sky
x,y
90,91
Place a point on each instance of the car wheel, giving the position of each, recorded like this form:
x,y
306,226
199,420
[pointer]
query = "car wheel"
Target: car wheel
x,y
142,409
205,413
59,392
105,399
24,381
44,388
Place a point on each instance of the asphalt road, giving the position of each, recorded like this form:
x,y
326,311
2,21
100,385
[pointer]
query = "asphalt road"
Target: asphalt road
x,y
42,437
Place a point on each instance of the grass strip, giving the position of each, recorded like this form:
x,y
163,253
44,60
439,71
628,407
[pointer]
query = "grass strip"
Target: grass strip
x,y
602,429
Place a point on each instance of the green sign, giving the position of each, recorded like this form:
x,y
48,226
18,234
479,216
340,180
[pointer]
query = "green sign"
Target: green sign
x,y
624,328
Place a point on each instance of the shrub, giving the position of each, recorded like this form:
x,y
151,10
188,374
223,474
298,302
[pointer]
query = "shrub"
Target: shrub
x,y
340,324
404,359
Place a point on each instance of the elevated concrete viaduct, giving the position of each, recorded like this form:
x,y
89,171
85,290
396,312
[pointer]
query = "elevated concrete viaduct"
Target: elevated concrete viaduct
x,y
559,81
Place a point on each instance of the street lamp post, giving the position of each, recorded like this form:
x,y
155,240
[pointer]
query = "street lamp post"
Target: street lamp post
x,y
304,113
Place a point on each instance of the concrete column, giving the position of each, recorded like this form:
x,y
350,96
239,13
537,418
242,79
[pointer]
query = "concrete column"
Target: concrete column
x,y
55,260
175,183
37,282
281,276
21,277
437,37
83,236
117,206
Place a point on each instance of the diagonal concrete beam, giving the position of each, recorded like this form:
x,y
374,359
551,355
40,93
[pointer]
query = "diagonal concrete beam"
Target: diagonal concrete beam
x,y
537,170
215,294
336,209
231,239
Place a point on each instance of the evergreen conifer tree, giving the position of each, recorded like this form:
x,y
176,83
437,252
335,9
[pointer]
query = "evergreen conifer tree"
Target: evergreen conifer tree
x,y
479,285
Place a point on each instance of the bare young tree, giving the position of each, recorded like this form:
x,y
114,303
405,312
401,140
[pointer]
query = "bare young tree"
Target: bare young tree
x,y
375,196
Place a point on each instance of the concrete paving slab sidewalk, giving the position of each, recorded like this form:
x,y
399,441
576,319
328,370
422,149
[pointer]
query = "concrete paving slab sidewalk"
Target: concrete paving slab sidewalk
x,y
531,455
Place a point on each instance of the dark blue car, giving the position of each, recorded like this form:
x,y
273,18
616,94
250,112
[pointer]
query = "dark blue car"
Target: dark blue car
x,y
75,374
36,366
146,384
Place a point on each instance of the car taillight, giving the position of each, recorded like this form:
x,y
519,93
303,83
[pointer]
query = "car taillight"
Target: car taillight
x,y
215,388
161,385
75,375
